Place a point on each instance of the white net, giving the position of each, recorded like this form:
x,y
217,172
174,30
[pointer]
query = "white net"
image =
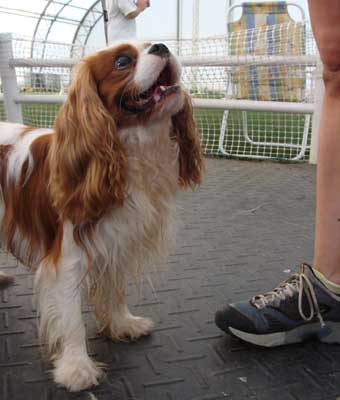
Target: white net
x,y
2,106
2,112
258,71
41,80
270,64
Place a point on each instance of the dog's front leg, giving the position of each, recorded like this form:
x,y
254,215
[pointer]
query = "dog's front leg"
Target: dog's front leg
x,y
125,326
114,317
61,324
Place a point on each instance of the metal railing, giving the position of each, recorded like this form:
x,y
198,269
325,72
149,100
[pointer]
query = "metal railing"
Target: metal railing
x,y
14,100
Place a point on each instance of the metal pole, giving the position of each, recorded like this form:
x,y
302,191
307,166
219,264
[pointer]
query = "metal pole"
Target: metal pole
x,y
106,20
196,20
179,26
195,38
179,20
229,16
9,79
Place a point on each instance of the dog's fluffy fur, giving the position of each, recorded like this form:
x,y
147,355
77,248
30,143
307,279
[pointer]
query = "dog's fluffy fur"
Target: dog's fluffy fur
x,y
93,200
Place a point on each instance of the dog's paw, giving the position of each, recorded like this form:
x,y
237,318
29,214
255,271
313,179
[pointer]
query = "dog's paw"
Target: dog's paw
x,y
76,373
5,280
129,328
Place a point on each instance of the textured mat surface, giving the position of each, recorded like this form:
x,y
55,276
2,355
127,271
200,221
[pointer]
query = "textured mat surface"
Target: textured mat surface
x,y
242,232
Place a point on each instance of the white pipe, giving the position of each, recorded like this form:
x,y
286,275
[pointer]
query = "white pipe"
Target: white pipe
x,y
41,99
254,105
230,61
195,20
9,79
217,104
188,61
38,62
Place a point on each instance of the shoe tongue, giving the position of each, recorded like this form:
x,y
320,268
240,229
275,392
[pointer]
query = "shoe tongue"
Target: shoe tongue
x,y
314,280
307,270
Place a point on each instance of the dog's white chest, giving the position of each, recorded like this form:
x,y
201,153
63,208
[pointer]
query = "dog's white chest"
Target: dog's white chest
x,y
144,226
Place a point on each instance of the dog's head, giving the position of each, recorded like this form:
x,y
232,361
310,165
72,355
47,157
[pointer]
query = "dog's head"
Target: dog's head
x,y
137,84
124,86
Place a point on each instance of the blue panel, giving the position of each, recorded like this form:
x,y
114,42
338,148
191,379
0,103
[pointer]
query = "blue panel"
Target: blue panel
x,y
254,84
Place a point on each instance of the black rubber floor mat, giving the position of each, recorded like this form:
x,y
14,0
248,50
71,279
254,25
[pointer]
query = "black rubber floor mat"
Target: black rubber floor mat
x,y
243,232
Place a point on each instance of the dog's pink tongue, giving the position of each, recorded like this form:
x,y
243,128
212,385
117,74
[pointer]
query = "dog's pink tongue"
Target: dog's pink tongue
x,y
157,94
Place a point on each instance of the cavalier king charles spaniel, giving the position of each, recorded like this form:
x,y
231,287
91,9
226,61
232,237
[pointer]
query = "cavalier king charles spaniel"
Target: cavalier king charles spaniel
x,y
91,202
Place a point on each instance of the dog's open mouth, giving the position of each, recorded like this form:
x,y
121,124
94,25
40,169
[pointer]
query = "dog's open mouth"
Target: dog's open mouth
x,y
159,91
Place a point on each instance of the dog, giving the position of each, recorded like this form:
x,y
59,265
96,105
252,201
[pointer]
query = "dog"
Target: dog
x,y
91,202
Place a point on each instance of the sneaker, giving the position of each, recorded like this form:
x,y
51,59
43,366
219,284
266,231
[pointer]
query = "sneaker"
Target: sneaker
x,y
298,309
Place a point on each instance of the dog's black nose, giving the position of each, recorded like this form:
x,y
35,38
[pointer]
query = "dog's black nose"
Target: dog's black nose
x,y
159,49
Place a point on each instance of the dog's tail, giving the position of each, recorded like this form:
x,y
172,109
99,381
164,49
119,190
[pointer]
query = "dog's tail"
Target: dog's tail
x,y
5,280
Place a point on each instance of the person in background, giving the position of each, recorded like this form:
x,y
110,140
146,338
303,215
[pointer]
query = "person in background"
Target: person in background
x,y
122,16
308,303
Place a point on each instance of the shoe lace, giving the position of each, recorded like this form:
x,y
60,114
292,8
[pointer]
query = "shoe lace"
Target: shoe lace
x,y
298,283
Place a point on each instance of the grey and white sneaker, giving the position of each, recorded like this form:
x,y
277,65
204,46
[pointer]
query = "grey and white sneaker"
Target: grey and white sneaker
x,y
299,308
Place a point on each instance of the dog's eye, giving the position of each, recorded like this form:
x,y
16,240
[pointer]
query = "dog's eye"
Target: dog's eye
x,y
122,62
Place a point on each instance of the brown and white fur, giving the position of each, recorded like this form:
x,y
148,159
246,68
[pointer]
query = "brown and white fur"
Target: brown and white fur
x,y
91,202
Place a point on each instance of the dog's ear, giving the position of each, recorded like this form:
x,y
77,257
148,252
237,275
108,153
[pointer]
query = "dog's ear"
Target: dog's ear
x,y
191,164
88,161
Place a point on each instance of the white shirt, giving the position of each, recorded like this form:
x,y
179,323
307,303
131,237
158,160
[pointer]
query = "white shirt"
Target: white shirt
x,y
119,26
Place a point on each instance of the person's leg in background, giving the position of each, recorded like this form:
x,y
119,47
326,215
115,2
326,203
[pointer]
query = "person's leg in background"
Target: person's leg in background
x,y
308,303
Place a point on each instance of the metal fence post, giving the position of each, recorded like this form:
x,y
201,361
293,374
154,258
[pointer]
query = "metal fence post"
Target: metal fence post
x,y
9,79
319,92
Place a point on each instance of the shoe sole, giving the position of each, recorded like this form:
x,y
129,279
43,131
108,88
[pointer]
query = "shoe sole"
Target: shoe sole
x,y
328,334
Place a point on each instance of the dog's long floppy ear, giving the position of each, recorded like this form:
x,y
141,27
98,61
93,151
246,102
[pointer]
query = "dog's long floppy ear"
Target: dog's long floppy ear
x,y
88,162
191,164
